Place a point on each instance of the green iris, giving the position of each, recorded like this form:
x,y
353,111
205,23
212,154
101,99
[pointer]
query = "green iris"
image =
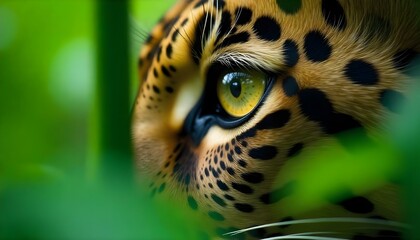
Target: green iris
x,y
240,92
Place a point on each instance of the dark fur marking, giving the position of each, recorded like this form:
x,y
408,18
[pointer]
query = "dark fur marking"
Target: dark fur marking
x,y
243,188
295,150
263,153
361,72
243,15
253,177
291,53
243,207
357,205
192,203
334,14
222,185
216,216
266,28
218,200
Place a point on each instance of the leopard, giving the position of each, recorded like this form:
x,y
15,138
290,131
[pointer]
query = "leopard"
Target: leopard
x,y
236,98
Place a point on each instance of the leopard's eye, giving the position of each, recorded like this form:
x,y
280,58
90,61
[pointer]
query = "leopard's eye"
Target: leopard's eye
x,y
240,92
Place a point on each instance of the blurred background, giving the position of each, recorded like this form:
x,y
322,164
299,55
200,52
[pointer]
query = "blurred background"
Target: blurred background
x,y
54,142
52,149
48,69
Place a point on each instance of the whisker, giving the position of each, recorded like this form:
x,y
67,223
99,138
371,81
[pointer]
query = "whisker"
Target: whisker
x,y
233,25
303,237
138,31
325,220
205,23
189,40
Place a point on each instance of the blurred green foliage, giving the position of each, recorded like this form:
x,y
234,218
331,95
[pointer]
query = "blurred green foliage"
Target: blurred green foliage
x,y
47,70
48,126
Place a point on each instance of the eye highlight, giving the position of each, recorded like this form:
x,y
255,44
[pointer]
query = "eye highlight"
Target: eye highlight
x,y
240,92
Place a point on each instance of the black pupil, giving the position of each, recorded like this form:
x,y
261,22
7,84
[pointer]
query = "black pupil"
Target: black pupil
x,y
235,88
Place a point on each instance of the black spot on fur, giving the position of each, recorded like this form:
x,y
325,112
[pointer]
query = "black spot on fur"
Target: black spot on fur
x,y
361,72
169,89
253,177
295,150
290,7
334,14
172,68
242,188
216,216
317,47
156,89
229,197
266,28
222,165
215,173
315,105
159,52
155,73
263,153
151,53
222,185
357,205
242,163
241,37
225,26
243,15
230,158
169,51
165,71
243,207
175,35
391,100
192,203
184,22
290,86
274,120
231,171
248,133
218,200
162,187
290,52
238,150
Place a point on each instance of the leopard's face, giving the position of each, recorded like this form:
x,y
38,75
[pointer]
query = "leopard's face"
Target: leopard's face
x,y
237,94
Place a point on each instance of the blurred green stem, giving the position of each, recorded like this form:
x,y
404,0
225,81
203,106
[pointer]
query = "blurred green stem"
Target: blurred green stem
x,y
110,156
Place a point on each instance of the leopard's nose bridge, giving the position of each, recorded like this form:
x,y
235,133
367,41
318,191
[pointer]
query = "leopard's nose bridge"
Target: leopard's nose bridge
x,y
187,96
